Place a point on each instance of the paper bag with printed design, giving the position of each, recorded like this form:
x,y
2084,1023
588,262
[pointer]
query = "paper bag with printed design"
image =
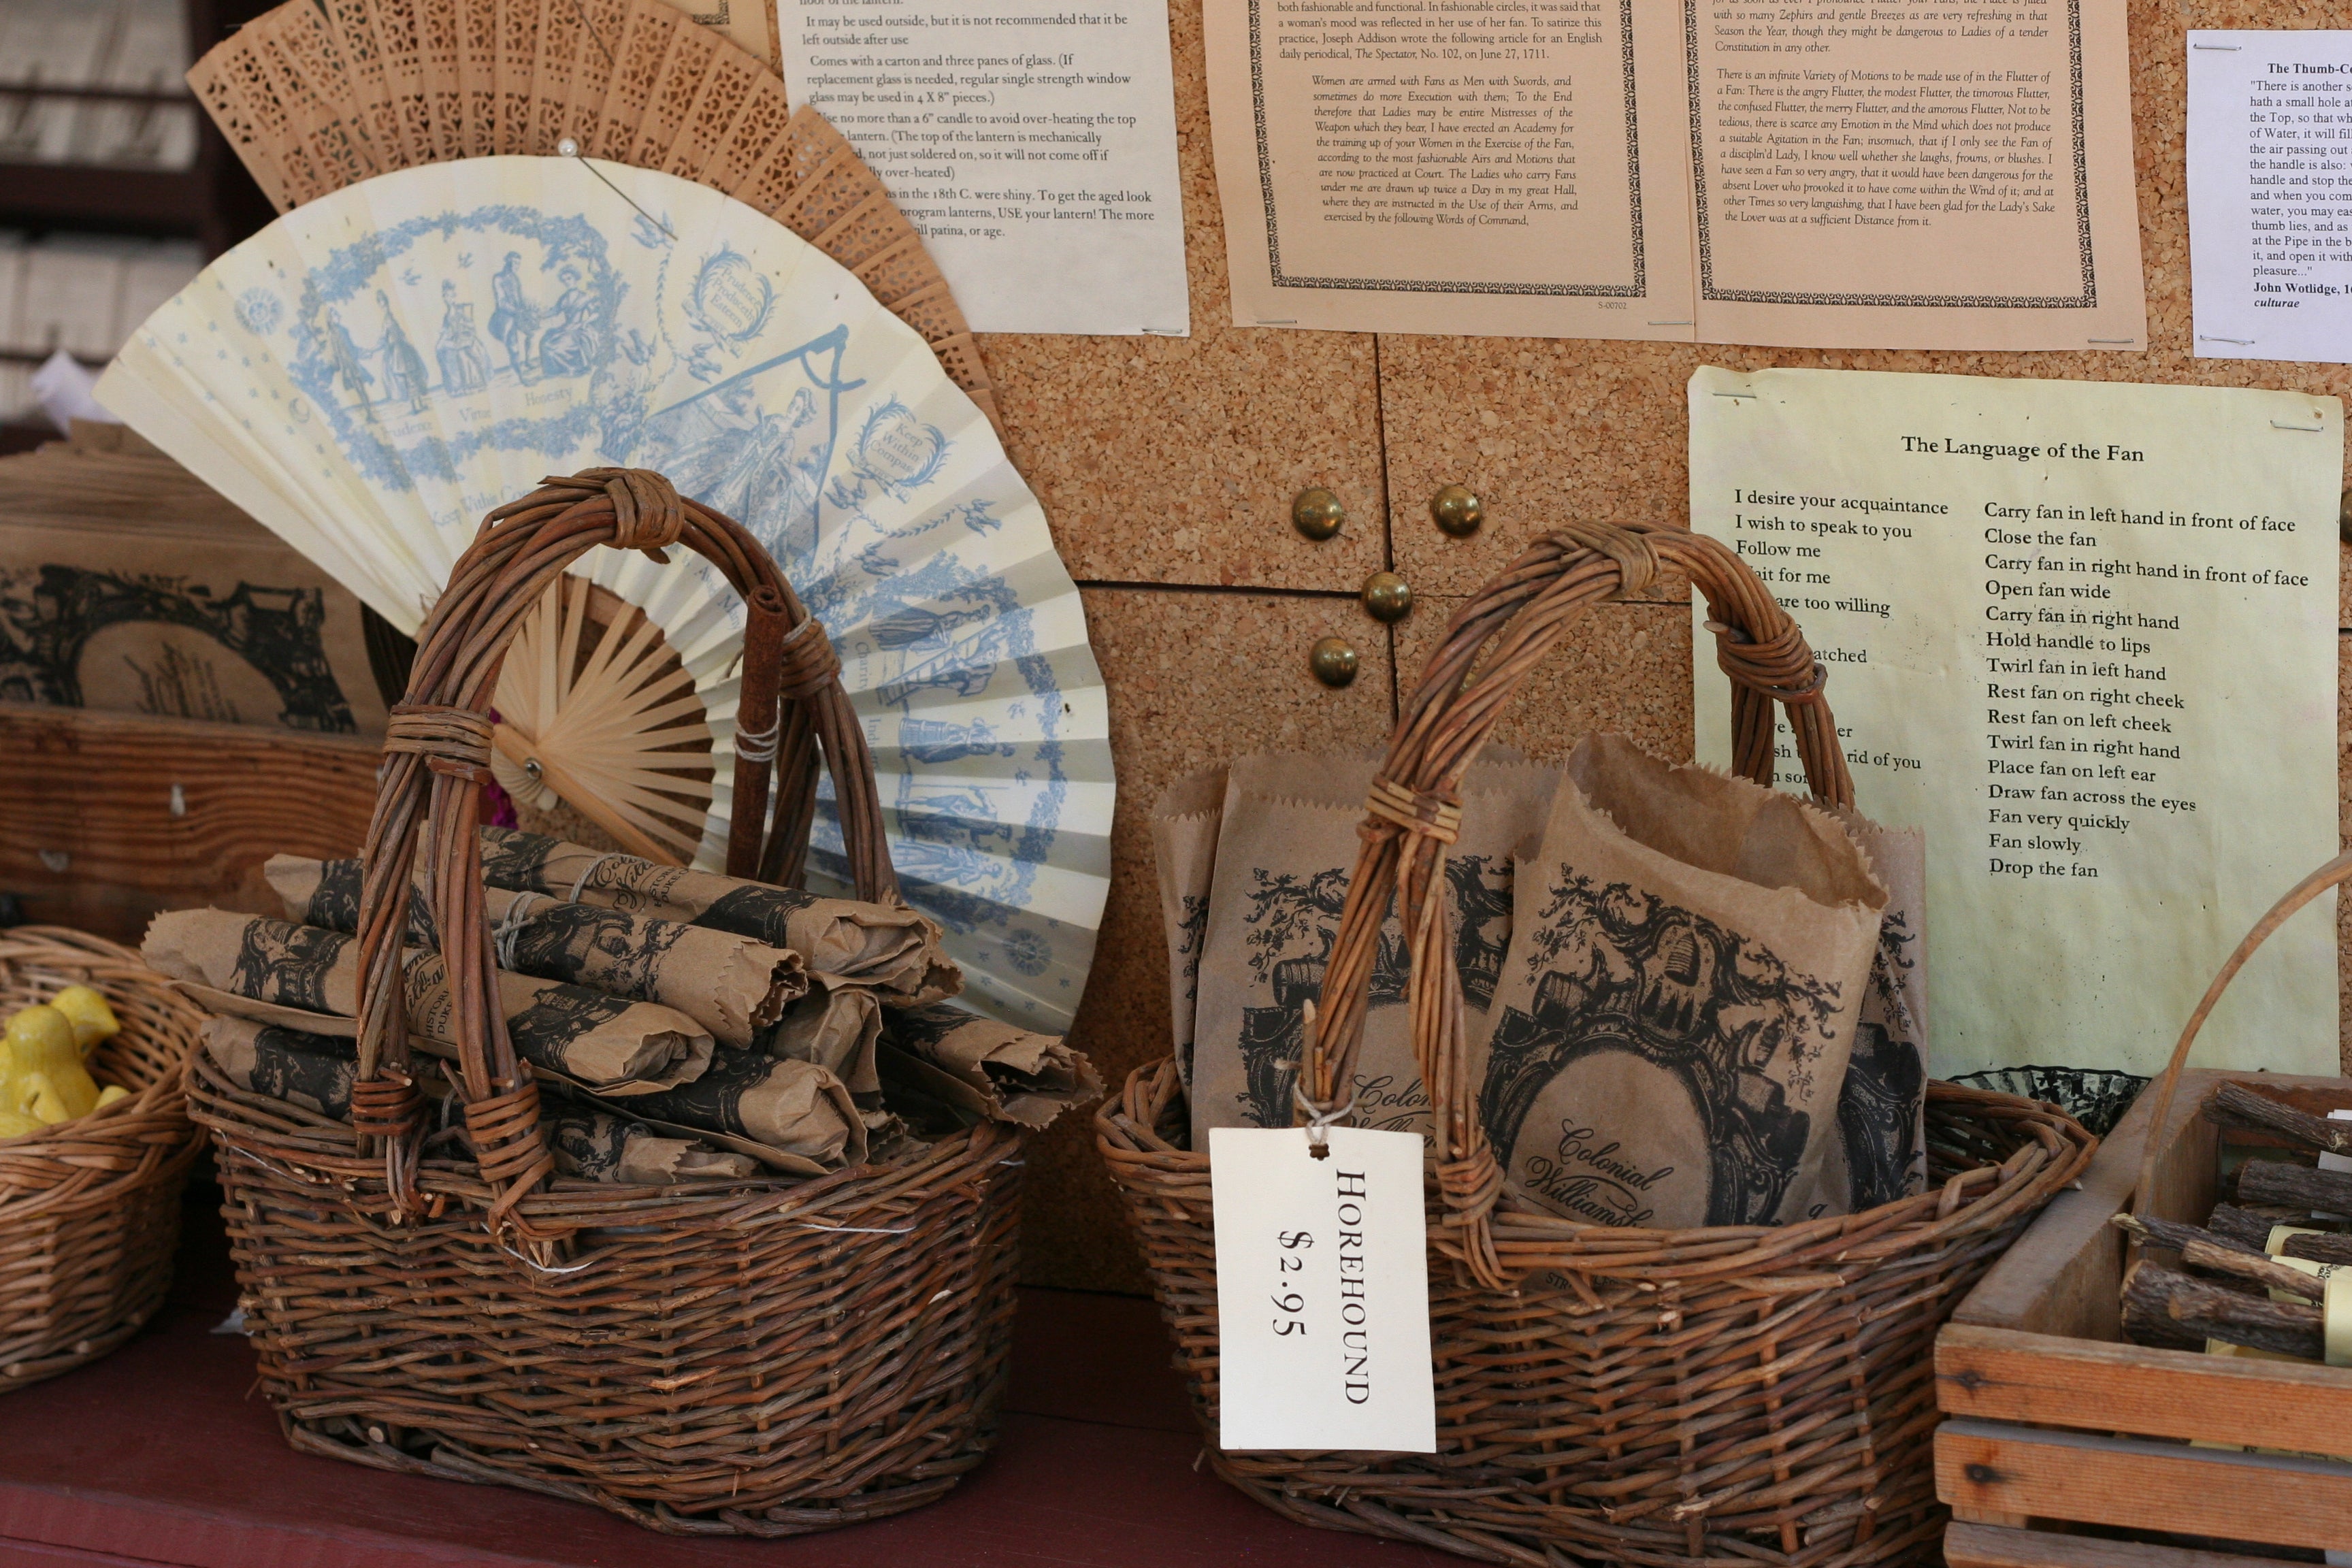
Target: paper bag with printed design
x,y
1184,842
1286,845
1691,957
1882,1150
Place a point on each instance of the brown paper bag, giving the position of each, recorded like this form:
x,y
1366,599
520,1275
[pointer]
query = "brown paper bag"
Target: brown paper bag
x,y
613,1046
598,1146
1184,842
1007,1073
313,1071
1672,1030
893,950
1286,847
1882,1152
731,985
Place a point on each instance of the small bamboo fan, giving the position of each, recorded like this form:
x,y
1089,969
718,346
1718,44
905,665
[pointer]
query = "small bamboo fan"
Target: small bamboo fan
x,y
321,94
596,709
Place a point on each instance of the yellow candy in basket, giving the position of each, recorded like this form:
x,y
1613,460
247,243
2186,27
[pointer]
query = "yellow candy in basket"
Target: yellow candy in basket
x,y
93,1021
44,1074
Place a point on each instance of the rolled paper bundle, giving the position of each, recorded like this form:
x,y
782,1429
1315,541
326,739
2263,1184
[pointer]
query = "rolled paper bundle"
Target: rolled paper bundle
x,y
313,1071
610,1045
1006,1073
835,1026
598,1146
888,947
733,987
797,1107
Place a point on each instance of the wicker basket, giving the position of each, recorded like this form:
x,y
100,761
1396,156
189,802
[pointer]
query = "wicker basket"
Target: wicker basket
x,y
769,1359
89,1210
1729,1397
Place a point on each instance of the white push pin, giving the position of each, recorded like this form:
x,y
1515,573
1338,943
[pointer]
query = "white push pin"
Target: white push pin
x,y
567,147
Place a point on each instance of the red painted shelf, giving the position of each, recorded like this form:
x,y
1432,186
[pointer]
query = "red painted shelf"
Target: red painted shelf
x,y
161,1454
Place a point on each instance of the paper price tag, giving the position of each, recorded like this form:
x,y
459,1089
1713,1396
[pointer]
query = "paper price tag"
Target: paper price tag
x,y
1322,1292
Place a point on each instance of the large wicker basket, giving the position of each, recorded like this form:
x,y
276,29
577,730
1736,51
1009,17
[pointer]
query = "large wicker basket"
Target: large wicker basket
x,y
1726,1397
769,1359
89,1210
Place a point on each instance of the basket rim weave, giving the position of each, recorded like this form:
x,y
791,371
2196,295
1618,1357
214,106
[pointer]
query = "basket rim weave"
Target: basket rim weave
x,y
2048,1157
63,947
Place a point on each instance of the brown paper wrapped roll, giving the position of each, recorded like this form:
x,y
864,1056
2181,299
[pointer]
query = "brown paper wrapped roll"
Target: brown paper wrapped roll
x,y
598,1146
837,1026
613,1046
733,987
313,1071
797,1107
891,949
1006,1074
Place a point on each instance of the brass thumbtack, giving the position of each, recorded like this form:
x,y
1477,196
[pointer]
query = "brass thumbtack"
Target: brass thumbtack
x,y
1333,661
1386,597
1317,513
1456,511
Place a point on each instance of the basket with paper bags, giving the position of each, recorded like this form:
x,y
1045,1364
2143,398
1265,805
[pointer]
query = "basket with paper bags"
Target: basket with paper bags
x,y
678,1193
1692,1209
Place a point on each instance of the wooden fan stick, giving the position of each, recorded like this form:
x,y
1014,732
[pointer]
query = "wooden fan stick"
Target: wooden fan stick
x,y
587,802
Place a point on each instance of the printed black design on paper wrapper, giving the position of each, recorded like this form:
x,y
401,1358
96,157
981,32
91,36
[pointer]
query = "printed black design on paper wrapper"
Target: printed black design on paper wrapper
x,y
1626,972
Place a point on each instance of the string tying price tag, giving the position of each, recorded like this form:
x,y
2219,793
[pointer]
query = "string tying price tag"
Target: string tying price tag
x,y
1322,1290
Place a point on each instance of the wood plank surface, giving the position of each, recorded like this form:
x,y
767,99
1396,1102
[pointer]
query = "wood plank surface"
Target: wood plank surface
x,y
1986,1546
1988,1466
2002,1374
97,837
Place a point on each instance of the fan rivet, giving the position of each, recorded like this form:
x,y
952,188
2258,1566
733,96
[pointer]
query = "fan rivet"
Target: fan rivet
x,y
567,147
531,766
1317,513
1386,597
1333,661
1456,510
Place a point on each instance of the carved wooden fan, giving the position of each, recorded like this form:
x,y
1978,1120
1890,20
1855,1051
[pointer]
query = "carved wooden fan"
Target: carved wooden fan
x,y
596,709
321,94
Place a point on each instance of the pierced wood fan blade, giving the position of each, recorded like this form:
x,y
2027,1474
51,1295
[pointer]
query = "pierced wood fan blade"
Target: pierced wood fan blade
x,y
317,97
597,710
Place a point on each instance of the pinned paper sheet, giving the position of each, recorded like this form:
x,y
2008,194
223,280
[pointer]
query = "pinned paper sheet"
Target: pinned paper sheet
x,y
1746,171
1322,1292
1034,149
2085,634
2270,207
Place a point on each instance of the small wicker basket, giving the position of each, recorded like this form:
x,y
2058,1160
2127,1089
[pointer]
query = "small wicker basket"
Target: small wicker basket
x,y
765,1359
1729,1396
89,1210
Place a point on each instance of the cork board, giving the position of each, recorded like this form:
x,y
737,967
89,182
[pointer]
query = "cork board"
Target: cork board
x,y
1167,462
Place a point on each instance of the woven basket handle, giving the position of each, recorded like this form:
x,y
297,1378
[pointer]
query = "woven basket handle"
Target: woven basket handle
x,y
1415,808
436,761
2333,874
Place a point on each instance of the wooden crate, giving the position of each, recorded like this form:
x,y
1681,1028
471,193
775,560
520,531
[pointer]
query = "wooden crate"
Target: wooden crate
x,y
106,819
2055,1421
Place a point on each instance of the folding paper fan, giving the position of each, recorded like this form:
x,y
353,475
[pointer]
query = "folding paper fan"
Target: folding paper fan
x,y
597,709
317,95
385,365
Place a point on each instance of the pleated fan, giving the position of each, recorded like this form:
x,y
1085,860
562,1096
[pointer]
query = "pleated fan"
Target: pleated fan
x,y
317,95
386,362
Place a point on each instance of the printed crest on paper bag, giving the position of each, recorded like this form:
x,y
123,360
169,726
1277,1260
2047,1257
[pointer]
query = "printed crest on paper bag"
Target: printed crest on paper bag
x,y
1293,920
1877,1114
1633,999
